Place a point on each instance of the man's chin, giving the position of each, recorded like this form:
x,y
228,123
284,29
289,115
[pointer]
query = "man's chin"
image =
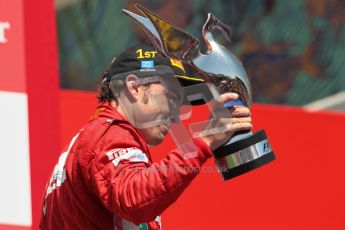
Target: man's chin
x,y
155,141
154,136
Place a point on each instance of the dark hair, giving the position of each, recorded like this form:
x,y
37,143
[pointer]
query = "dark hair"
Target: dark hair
x,y
109,90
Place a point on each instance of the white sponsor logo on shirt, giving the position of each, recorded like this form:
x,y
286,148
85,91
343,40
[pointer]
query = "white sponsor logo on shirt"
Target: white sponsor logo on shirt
x,y
131,154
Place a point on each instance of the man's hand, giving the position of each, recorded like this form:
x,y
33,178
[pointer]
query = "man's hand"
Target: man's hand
x,y
240,120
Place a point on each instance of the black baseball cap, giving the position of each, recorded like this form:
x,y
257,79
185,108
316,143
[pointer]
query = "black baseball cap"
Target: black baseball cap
x,y
145,61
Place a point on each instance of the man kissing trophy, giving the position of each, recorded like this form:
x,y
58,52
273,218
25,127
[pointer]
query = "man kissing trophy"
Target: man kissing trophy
x,y
245,151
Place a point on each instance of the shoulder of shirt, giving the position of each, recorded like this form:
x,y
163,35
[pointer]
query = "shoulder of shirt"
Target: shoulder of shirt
x,y
106,133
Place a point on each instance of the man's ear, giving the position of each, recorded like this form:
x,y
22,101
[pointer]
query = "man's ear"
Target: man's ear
x,y
132,86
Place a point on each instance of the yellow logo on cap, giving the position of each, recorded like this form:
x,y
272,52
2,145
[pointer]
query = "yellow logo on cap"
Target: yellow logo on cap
x,y
177,63
146,54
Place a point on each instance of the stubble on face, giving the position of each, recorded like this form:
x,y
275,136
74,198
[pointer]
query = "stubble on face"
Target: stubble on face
x,y
155,135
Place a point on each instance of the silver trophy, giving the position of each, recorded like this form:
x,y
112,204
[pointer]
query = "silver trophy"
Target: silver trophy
x,y
246,150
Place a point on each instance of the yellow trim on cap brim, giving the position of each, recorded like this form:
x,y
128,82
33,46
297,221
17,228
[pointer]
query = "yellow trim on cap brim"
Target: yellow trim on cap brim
x,y
190,78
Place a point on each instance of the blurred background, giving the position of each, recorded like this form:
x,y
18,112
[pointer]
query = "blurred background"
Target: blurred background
x,y
293,51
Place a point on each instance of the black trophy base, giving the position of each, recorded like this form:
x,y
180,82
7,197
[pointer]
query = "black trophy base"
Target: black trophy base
x,y
239,170
244,155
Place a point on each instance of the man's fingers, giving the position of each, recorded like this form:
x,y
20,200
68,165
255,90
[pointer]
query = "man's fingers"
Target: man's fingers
x,y
236,120
227,124
243,126
225,97
240,111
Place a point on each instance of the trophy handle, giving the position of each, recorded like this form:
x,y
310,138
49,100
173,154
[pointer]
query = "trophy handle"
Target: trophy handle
x,y
168,39
211,24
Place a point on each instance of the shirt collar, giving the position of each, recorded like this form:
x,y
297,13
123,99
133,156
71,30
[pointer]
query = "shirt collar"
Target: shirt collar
x,y
106,110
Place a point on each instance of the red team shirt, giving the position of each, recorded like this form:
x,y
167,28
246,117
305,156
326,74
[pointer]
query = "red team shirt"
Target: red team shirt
x,y
106,179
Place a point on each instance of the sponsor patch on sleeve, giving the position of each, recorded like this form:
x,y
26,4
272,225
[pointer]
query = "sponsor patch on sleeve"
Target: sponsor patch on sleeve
x,y
130,154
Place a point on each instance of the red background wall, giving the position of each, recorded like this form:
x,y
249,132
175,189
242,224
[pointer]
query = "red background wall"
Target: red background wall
x,y
303,189
29,65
